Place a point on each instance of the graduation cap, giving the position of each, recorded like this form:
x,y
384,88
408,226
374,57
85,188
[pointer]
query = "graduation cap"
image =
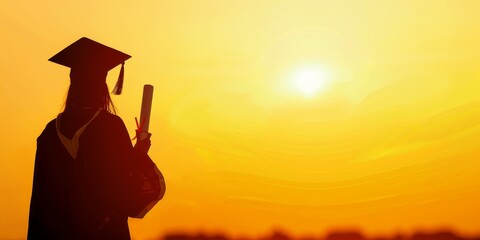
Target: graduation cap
x,y
92,57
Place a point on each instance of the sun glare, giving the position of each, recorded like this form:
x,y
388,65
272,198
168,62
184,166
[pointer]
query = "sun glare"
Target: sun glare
x,y
309,80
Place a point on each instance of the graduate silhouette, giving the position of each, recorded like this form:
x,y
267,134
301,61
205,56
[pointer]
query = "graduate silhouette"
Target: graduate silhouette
x,y
88,178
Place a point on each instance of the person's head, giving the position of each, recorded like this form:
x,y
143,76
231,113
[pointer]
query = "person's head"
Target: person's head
x,y
88,88
90,62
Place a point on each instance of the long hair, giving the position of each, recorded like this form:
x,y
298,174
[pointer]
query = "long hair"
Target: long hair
x,y
88,90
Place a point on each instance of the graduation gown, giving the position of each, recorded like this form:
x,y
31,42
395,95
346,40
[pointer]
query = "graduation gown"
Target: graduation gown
x,y
88,179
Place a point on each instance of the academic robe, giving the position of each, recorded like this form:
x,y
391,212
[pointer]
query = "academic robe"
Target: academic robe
x,y
90,193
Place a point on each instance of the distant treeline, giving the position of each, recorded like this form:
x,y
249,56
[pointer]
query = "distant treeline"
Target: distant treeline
x,y
345,235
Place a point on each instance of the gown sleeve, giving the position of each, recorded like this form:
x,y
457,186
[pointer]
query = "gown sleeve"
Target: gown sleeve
x,y
141,184
37,210
49,204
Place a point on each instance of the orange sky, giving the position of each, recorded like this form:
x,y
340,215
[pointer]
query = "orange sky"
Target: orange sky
x,y
389,142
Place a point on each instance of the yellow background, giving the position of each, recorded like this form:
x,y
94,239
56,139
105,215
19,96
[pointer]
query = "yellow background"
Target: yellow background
x,y
391,144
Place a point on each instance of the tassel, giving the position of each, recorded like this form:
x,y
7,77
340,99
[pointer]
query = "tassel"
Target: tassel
x,y
118,87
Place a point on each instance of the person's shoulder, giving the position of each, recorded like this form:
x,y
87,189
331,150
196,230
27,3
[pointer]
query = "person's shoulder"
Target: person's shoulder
x,y
48,130
111,119
112,125
109,116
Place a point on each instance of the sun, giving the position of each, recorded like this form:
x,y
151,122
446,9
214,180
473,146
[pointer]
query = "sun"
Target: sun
x,y
310,80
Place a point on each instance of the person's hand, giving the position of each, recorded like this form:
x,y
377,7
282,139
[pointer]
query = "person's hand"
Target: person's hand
x,y
144,144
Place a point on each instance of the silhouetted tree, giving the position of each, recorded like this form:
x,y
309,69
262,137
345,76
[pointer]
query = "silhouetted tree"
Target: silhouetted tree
x,y
279,234
445,235
346,235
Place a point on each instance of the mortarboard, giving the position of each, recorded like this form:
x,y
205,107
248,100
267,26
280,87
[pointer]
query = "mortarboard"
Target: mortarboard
x,y
86,54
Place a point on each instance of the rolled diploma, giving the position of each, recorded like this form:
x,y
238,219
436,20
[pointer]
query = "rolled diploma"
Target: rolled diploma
x,y
145,111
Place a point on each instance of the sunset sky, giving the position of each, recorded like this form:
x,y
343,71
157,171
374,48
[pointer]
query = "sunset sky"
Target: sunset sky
x,y
300,115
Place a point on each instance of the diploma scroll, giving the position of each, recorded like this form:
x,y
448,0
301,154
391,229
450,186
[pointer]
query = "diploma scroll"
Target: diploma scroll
x,y
145,111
